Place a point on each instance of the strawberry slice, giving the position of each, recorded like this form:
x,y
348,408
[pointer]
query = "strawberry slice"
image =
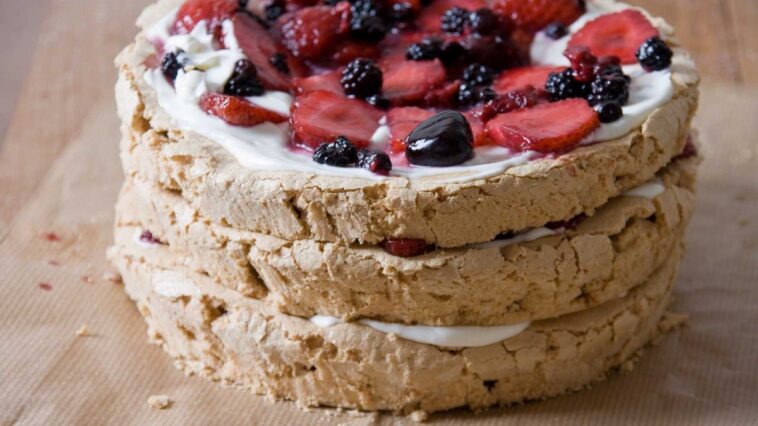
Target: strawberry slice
x,y
533,15
481,137
237,111
549,128
429,18
402,121
519,78
194,11
259,47
321,116
615,34
328,81
311,32
410,81
349,50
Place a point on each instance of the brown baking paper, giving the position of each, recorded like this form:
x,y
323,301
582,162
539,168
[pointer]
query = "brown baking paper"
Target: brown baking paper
x,y
705,373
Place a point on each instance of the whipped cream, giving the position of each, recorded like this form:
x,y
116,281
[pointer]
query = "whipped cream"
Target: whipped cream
x,y
266,147
451,337
647,190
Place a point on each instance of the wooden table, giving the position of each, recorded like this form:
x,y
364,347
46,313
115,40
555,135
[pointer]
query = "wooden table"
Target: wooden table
x,y
59,173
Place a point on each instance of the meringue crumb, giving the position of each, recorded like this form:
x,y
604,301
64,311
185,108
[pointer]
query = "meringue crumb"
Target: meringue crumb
x,y
419,416
83,331
113,277
159,402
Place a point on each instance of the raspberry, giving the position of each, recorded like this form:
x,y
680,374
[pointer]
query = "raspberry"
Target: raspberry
x,y
582,62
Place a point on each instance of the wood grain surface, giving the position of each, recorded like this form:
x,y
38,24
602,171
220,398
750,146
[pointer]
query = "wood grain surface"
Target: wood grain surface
x,y
59,172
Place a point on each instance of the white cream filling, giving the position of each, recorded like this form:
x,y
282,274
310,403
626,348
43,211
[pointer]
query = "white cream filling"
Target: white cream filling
x,y
266,147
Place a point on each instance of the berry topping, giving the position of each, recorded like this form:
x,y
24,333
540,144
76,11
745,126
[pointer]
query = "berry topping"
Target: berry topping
x,y
654,55
430,18
582,62
321,116
533,15
211,11
470,95
454,20
444,139
375,162
366,23
410,81
361,78
237,111
171,64
478,75
279,61
259,48
609,88
512,101
563,85
244,80
406,247
548,128
519,78
426,50
340,153
483,22
329,81
311,32
609,112
615,34
556,30
401,12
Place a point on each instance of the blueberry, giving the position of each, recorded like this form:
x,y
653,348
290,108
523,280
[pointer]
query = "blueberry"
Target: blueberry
x,y
340,153
609,112
427,50
478,75
454,20
171,64
375,162
563,85
244,80
483,21
274,10
444,139
362,78
556,30
654,54
279,61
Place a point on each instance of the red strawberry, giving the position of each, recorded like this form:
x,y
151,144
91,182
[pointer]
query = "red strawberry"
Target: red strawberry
x,y
410,81
329,81
553,127
477,128
615,34
311,32
429,18
349,50
237,111
533,15
321,116
519,78
402,121
406,247
194,11
259,47
443,96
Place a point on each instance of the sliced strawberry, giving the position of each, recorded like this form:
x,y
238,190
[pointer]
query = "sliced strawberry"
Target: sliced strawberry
x,y
410,81
312,32
259,47
321,116
615,34
533,15
401,122
429,18
553,127
349,50
194,11
481,137
237,111
328,81
443,96
519,78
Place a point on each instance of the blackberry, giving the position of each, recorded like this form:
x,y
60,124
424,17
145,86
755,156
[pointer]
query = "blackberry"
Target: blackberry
x,y
483,21
609,112
454,20
362,78
497,52
171,64
563,85
453,53
375,162
244,80
274,10
427,50
366,22
378,101
340,153
401,12
556,30
654,55
478,75
471,95
612,71
279,61
444,139
607,89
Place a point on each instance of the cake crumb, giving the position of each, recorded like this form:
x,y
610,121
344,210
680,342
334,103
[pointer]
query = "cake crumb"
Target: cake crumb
x,y
159,402
419,416
83,331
